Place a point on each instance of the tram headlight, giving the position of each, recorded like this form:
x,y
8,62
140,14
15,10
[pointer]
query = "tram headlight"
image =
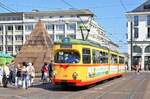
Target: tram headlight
x,y
74,75
54,73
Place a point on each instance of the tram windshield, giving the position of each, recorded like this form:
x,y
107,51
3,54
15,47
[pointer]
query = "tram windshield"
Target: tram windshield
x,y
67,57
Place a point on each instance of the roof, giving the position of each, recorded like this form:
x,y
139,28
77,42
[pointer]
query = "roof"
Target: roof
x,y
54,13
62,12
145,7
111,42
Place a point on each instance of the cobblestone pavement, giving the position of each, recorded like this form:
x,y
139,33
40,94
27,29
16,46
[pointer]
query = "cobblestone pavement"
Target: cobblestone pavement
x,y
130,86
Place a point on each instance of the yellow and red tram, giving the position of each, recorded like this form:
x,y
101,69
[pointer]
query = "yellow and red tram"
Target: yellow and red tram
x,y
81,63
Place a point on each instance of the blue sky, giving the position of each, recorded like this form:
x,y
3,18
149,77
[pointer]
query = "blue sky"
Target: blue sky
x,y
109,13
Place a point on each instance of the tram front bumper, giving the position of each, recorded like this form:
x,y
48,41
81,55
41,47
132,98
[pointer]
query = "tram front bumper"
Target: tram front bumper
x,y
66,82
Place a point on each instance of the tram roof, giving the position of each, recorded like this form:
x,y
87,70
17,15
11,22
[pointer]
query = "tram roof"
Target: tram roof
x,y
82,42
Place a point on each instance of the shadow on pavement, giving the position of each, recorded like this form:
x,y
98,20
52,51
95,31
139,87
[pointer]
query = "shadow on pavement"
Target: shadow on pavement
x,y
51,87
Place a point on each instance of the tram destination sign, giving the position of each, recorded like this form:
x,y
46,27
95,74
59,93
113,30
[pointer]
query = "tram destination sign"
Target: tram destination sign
x,y
66,46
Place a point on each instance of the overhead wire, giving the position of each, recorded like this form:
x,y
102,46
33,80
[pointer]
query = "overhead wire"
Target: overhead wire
x,y
2,5
122,4
88,30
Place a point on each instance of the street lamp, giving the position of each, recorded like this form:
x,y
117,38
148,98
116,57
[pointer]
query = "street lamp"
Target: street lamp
x,y
131,41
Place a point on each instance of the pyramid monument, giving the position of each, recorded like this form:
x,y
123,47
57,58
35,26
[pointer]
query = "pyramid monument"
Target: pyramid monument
x,y
37,49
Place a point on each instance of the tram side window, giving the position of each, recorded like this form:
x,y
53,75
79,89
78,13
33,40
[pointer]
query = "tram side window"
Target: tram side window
x,y
114,59
121,60
101,57
86,55
104,57
96,56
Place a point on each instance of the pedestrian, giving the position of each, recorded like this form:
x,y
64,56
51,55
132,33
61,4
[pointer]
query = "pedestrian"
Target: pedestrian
x,y
44,71
135,64
1,75
139,65
6,73
31,71
25,76
12,72
18,77
50,70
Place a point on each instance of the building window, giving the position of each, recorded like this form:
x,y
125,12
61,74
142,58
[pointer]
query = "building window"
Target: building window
x,y
72,36
49,26
1,38
1,48
137,49
147,6
61,16
136,20
9,38
18,27
41,17
147,49
29,27
9,28
18,47
1,28
148,20
16,18
136,32
59,37
9,48
72,16
51,36
60,27
50,16
86,56
148,32
18,37
71,26
29,17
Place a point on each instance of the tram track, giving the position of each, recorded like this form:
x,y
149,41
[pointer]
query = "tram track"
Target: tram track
x,y
130,86
100,86
138,87
119,86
